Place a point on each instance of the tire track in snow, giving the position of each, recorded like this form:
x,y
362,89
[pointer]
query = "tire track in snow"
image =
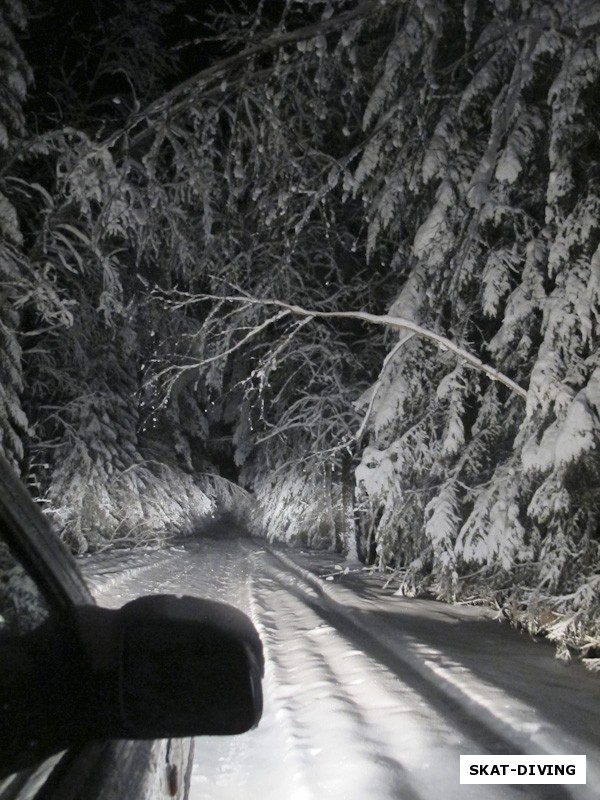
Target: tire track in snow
x,y
355,706
166,576
255,764
496,723
325,727
277,700
104,573
386,739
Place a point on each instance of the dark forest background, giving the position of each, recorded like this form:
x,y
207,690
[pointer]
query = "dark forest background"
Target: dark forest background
x,y
331,266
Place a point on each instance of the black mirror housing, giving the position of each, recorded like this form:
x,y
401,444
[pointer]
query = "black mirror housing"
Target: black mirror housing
x,y
160,667
189,667
166,666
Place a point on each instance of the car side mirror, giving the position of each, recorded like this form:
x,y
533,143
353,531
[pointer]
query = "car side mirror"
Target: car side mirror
x,y
160,667
165,666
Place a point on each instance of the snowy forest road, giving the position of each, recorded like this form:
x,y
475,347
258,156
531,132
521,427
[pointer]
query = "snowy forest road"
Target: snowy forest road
x,y
368,695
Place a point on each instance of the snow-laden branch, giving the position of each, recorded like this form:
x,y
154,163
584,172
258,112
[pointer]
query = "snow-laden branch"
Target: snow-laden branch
x,y
388,359
177,369
398,323
272,42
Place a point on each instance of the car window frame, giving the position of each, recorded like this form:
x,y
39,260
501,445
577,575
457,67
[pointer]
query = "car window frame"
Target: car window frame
x,y
36,545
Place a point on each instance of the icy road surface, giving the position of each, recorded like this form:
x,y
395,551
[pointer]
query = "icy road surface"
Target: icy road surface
x,y
368,695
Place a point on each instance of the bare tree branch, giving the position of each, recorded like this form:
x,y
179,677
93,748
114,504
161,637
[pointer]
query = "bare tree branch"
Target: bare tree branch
x,y
177,369
398,323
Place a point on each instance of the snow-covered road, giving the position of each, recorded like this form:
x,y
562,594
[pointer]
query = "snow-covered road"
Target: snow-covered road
x,y
368,695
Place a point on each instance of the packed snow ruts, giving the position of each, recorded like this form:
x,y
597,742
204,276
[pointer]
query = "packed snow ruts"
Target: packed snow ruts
x,y
368,694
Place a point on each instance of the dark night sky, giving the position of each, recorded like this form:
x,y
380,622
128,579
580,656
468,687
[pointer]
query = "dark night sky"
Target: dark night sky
x,y
190,21
61,38
64,43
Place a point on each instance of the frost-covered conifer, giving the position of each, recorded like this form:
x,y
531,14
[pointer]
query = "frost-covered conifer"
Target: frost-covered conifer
x,y
502,257
432,161
98,226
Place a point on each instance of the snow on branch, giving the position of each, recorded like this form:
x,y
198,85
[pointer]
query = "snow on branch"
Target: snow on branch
x,y
184,90
398,323
388,360
173,371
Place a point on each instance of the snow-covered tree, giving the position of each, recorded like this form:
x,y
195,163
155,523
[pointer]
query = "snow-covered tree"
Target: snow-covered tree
x,y
94,224
490,146
202,269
